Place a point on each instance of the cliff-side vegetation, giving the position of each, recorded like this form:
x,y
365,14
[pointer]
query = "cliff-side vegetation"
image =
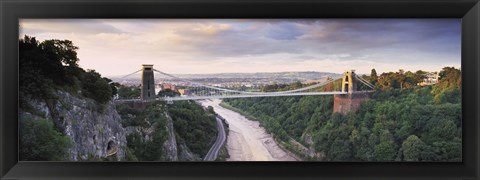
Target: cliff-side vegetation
x,y
39,141
193,124
47,68
153,118
52,65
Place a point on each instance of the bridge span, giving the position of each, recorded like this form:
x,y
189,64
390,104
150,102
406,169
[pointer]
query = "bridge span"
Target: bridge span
x,y
199,91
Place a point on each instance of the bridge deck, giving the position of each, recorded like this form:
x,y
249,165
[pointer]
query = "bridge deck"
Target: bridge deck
x,y
183,98
248,95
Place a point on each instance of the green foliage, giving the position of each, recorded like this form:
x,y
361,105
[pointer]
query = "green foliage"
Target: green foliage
x,y
53,65
399,80
168,92
194,125
385,151
131,116
125,92
449,86
139,148
400,122
35,79
39,141
96,87
412,148
113,85
154,148
373,77
210,110
51,59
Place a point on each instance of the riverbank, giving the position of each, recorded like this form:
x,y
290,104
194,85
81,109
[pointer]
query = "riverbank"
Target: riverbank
x,y
247,140
293,148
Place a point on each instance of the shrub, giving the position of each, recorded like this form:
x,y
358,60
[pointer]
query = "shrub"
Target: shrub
x,y
39,141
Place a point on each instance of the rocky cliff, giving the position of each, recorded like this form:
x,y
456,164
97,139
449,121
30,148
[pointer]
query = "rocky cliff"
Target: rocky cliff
x,y
173,149
95,130
170,145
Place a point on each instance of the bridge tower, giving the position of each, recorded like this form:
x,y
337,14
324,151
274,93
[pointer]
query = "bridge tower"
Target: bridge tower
x,y
148,82
350,102
349,84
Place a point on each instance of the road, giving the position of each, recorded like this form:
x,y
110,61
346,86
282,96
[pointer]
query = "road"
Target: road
x,y
221,137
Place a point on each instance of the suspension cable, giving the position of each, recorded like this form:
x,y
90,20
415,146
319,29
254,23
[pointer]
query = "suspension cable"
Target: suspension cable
x,y
365,82
243,92
128,75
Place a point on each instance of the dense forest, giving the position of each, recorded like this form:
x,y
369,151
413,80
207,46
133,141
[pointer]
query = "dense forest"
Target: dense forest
x,y
402,121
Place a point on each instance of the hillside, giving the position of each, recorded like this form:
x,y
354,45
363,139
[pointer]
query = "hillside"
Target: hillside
x,y
400,122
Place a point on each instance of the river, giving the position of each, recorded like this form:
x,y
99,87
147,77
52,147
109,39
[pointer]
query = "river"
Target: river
x,y
246,140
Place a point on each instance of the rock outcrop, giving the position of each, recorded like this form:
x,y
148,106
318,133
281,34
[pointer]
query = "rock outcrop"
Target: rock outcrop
x,y
95,130
170,145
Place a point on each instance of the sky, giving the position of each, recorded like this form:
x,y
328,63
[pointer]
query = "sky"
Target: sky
x,y
116,47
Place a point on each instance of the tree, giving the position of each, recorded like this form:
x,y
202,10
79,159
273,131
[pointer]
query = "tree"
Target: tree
x,y
210,110
420,75
125,92
47,63
62,50
167,92
95,87
449,79
32,80
340,150
385,151
386,81
440,129
113,85
39,141
412,148
153,148
373,77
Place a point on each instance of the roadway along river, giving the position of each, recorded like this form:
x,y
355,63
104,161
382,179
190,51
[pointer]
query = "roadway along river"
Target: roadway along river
x,y
246,140
221,137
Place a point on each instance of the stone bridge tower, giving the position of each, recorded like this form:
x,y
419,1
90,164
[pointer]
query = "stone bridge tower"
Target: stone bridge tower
x,y
350,102
349,84
148,82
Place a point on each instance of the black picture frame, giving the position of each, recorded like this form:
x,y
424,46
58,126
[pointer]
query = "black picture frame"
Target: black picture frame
x,y
11,11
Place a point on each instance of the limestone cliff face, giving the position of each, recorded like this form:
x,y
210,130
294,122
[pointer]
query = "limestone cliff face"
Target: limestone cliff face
x,y
94,130
170,145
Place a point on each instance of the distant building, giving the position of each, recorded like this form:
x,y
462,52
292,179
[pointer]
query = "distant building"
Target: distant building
x,y
158,88
430,78
168,86
184,91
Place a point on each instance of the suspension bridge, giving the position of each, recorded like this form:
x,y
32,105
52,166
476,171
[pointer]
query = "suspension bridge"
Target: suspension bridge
x,y
199,91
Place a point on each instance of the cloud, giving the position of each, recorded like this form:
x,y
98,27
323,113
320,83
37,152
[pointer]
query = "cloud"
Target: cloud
x,y
256,44
82,26
283,31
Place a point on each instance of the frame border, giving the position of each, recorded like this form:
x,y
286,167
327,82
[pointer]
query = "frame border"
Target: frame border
x,y
12,11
